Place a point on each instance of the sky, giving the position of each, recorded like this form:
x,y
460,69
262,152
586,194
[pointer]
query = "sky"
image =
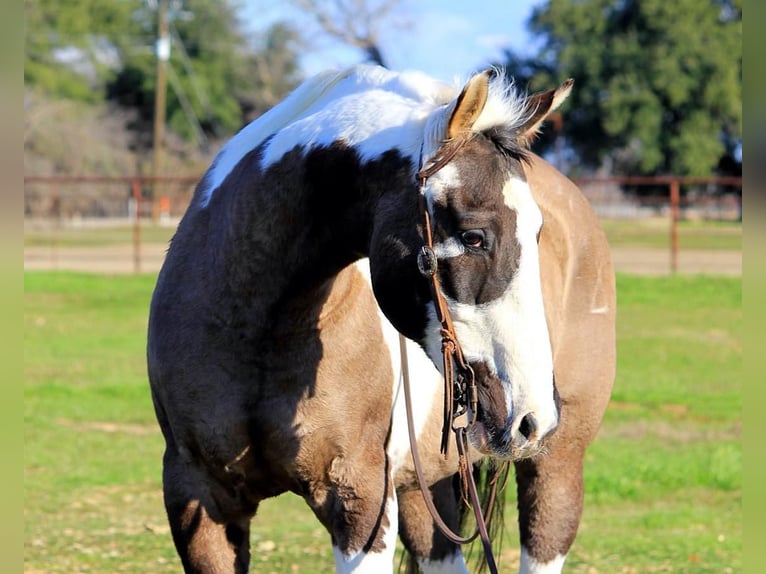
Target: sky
x,y
448,39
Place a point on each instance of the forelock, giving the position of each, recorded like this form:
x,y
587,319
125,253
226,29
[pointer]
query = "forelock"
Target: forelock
x,y
505,112
506,107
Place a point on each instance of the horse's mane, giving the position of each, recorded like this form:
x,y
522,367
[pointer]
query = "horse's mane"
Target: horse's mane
x,y
308,94
505,110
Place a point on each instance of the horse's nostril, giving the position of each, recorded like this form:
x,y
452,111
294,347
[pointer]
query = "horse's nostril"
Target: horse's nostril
x,y
528,426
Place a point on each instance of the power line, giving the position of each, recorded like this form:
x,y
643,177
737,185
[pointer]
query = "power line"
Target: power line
x,y
160,92
186,106
199,89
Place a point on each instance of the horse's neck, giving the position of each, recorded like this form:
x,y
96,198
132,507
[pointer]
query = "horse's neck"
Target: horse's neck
x,y
288,231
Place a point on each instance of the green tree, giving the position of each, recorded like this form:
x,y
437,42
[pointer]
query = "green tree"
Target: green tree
x,y
273,69
657,83
70,46
216,71
219,76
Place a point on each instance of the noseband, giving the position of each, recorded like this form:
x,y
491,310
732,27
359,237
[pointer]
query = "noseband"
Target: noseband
x,y
460,391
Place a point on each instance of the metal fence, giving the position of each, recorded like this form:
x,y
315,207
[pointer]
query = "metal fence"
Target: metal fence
x,y
55,207
718,198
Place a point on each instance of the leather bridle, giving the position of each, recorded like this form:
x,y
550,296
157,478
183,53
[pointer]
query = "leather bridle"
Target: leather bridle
x,y
460,390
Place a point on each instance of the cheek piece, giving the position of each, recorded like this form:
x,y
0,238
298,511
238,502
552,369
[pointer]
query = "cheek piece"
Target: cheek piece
x,y
460,390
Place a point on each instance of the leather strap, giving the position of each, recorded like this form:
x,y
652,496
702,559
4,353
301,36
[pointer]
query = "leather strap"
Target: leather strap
x,y
460,390
466,476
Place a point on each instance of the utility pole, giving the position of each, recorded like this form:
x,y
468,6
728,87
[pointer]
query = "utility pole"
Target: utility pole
x,y
162,50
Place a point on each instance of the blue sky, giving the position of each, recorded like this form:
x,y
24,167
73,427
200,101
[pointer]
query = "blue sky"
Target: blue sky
x,y
445,38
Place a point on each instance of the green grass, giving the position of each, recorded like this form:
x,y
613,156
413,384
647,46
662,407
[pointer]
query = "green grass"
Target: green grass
x,y
96,237
655,233
663,479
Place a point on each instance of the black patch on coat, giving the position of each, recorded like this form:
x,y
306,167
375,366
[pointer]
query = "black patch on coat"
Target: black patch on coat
x,y
492,410
479,275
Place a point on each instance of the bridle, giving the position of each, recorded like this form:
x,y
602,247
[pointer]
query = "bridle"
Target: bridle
x,y
460,390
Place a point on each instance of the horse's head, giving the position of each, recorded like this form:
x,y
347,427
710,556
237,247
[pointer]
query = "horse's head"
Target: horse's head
x,y
485,227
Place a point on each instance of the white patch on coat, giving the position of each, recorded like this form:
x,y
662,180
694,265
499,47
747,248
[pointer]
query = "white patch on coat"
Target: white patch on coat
x,y
454,564
529,565
365,107
426,387
436,192
310,94
372,110
450,247
372,562
439,185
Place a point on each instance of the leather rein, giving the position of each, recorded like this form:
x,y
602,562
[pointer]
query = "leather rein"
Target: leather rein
x,y
460,390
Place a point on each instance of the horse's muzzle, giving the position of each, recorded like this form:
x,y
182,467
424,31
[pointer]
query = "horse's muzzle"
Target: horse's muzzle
x,y
520,445
527,438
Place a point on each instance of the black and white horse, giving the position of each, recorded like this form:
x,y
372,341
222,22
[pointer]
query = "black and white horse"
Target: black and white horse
x,y
272,369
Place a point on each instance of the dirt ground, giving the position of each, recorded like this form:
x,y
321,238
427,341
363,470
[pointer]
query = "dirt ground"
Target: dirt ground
x,y
121,259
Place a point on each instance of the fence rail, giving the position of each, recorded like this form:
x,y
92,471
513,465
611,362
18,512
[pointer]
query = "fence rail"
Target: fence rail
x,y
60,201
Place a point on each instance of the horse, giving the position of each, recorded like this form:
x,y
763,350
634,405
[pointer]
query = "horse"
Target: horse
x,y
273,351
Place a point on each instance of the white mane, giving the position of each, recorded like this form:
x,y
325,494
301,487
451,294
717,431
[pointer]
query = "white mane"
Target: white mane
x,y
368,107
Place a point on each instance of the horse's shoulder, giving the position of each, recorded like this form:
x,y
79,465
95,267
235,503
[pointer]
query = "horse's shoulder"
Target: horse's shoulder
x,y
569,219
575,260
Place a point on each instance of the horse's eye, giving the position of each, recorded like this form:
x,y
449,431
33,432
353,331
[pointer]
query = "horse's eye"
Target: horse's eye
x,y
473,238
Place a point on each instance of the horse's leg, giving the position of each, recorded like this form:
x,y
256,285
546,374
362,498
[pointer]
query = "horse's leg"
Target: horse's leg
x,y
357,504
550,495
206,540
420,536
550,488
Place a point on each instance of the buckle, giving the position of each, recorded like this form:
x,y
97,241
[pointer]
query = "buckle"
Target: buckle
x,y
427,262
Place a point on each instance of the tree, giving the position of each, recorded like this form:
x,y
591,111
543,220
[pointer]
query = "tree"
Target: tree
x,y
274,69
216,73
70,46
355,23
657,83
96,50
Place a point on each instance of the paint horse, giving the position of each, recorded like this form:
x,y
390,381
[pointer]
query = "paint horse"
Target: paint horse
x,y
272,370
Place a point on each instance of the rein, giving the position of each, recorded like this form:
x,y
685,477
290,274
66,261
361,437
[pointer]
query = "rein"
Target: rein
x,y
460,390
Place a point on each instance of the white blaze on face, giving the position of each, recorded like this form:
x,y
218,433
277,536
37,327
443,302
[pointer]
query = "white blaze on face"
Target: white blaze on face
x,y
528,356
510,334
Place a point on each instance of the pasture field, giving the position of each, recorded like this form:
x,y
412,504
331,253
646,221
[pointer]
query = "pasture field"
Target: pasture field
x,y
663,479
651,233
655,233
118,234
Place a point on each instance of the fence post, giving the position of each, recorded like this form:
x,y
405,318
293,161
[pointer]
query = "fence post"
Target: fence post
x,y
675,200
56,212
137,226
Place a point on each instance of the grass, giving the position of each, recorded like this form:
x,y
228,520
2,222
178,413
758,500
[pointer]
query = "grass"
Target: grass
x,y
96,236
655,233
663,479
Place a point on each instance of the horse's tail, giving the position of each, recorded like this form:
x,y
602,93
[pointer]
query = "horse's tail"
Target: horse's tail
x,y
485,473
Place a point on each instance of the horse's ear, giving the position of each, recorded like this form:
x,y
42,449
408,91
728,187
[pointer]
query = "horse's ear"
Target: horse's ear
x,y
469,105
542,104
